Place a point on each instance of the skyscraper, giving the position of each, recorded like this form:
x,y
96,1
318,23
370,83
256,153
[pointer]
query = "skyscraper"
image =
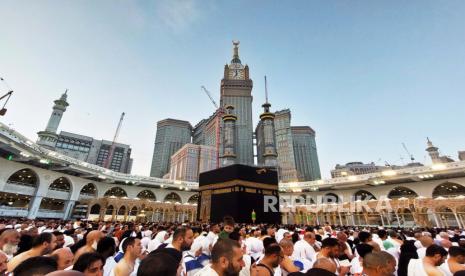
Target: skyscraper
x,y
191,160
171,135
284,146
236,90
306,157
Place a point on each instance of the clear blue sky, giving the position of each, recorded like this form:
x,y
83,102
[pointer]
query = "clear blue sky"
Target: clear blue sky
x,y
366,75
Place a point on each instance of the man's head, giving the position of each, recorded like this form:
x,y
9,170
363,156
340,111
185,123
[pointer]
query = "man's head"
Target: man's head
x,y
36,266
379,264
9,240
106,247
257,232
287,236
341,236
457,253
274,254
132,247
64,257
271,230
364,236
93,237
445,243
183,238
426,241
90,264
60,237
3,263
46,241
382,234
165,261
309,237
326,264
363,249
215,228
444,235
287,246
226,256
436,253
330,248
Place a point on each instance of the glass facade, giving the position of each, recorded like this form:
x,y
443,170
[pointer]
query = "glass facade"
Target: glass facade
x,y
171,136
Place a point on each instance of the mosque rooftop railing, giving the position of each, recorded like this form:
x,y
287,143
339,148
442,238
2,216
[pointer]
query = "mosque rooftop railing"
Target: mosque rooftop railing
x,y
28,150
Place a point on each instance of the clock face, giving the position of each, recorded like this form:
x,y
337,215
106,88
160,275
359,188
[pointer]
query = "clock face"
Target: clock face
x,y
236,74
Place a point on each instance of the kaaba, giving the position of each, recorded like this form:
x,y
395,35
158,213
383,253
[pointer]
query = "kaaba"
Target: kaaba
x,y
237,191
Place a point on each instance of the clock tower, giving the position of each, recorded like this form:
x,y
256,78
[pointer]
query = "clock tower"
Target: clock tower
x,y
236,91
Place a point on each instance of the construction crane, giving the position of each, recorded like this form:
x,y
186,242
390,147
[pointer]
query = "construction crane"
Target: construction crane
x,y
209,95
409,154
107,162
7,96
219,112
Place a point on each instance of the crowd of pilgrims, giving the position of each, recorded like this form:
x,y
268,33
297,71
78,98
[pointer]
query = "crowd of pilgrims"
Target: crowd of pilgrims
x,y
50,247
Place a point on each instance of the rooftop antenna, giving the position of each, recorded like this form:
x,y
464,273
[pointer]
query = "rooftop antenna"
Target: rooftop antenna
x,y
266,90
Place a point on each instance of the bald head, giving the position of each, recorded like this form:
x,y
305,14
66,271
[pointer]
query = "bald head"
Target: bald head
x,y
65,273
446,243
64,257
93,236
309,237
342,236
326,264
426,241
379,263
444,235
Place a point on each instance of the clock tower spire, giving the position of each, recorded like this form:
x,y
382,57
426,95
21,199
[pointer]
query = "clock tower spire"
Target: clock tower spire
x,y
236,90
235,58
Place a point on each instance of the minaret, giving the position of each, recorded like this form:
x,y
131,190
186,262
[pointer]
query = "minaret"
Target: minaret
x,y
229,136
267,120
49,137
433,152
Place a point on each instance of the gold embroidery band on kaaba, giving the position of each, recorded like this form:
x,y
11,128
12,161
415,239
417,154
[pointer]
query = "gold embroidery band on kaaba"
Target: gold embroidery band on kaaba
x,y
233,183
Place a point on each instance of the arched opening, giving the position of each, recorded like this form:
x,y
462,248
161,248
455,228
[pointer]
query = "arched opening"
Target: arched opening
x,y
133,213
147,194
363,195
122,211
115,192
406,218
52,204
193,199
95,209
172,198
446,217
88,191
24,177
11,200
109,210
400,191
330,198
121,214
61,184
448,189
146,214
